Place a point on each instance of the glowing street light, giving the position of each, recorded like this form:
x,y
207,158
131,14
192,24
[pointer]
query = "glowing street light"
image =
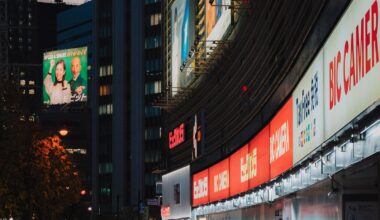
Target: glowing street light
x,y
63,132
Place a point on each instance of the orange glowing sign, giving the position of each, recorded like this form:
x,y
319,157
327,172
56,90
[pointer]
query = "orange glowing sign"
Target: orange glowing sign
x,y
200,188
239,171
281,140
258,156
219,185
165,211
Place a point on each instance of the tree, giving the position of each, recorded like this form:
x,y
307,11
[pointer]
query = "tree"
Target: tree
x,y
37,178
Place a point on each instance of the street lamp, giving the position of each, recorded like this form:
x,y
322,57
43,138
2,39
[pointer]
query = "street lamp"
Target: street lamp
x,y
63,132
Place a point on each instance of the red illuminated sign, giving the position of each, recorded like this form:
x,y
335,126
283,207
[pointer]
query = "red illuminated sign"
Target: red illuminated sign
x,y
281,140
219,184
258,157
200,188
239,171
165,211
177,136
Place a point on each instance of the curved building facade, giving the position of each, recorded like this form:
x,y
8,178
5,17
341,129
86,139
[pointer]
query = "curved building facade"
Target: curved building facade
x,y
282,124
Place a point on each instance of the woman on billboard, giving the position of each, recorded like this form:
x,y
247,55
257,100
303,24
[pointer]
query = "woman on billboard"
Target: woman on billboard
x,y
59,90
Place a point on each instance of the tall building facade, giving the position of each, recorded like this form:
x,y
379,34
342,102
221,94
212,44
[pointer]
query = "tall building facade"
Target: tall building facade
x,y
26,28
126,127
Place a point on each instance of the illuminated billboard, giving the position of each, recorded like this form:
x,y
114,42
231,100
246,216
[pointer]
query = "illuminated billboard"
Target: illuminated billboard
x,y
65,76
200,188
183,36
281,140
351,65
308,125
219,185
218,19
258,158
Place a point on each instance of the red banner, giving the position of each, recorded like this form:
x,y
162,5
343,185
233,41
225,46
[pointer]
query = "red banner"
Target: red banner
x,y
200,188
259,169
239,171
281,140
219,183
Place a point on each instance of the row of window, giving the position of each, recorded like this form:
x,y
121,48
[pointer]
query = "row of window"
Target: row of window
x,y
153,87
151,111
152,133
152,42
152,156
151,1
106,70
153,65
155,19
106,109
105,90
30,82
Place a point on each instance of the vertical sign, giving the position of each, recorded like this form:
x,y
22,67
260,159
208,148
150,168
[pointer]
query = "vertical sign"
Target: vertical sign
x,y
259,169
308,130
239,171
281,140
200,188
219,183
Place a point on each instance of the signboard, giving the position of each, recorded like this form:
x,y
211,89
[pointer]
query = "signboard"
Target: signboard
x,y
259,169
308,128
219,184
65,76
200,188
218,18
183,36
239,171
281,140
352,67
177,136
165,211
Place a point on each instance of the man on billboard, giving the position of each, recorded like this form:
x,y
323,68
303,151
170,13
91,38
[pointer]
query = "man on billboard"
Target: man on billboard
x,y
77,82
59,90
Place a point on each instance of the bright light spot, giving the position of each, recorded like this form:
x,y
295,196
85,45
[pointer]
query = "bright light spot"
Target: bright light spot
x,y
63,132
83,192
89,209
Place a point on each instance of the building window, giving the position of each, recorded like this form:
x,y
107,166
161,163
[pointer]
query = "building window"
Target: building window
x,y
153,87
151,111
106,70
177,194
152,133
155,19
31,92
152,42
104,90
106,109
152,66
151,1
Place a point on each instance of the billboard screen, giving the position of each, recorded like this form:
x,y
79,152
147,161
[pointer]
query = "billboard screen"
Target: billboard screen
x,y
281,140
183,36
65,76
218,19
259,169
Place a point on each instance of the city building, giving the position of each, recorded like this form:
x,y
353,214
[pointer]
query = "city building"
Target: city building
x,y
289,110
126,132
25,28
74,29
